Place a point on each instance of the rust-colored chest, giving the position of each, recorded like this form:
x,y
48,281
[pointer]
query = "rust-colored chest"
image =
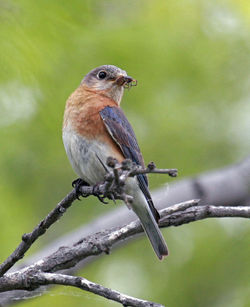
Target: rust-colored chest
x,y
82,116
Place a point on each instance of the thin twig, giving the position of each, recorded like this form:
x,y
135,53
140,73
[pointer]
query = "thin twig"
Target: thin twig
x,y
172,172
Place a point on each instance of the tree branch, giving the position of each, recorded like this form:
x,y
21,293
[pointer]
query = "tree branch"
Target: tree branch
x,y
40,229
112,186
228,186
192,214
30,280
67,257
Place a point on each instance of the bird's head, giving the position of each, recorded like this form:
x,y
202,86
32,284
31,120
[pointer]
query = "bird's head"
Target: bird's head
x,y
109,80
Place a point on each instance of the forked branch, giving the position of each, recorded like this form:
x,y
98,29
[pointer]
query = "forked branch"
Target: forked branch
x,y
43,272
112,187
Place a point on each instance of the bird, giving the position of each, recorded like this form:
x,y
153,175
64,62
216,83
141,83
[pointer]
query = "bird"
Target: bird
x,y
95,128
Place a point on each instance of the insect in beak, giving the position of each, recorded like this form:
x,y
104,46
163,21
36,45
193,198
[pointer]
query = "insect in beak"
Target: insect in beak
x,y
126,81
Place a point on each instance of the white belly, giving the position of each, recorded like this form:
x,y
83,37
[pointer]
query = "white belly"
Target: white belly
x,y
83,153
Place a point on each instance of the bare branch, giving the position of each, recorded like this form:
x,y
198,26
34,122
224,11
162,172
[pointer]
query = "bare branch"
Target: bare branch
x,y
67,257
40,229
222,187
102,242
30,280
112,187
228,186
192,214
151,169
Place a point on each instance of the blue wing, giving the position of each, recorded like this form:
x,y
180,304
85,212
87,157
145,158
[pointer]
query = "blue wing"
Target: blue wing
x,y
122,133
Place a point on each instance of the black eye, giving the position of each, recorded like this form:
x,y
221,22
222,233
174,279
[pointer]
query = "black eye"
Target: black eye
x,y
102,75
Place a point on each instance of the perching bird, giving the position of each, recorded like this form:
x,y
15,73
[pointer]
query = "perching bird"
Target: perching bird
x,y
96,128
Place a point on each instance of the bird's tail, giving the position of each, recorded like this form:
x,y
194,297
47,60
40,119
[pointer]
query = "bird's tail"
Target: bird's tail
x,y
149,224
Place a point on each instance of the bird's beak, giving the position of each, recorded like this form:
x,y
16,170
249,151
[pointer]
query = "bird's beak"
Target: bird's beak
x,y
126,81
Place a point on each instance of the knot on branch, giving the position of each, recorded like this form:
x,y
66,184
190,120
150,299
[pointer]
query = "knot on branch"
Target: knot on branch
x,y
116,176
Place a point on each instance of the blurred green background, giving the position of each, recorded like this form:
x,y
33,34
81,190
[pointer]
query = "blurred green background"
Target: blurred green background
x,y
190,110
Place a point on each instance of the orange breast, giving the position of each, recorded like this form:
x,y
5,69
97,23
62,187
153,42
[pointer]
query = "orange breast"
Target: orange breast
x,y
82,114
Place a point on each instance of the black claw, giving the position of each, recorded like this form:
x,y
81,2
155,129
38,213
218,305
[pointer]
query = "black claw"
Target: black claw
x,y
110,196
95,192
76,184
102,199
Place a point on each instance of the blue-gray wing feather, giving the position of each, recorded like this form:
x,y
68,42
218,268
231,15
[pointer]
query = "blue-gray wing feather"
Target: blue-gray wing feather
x,y
122,133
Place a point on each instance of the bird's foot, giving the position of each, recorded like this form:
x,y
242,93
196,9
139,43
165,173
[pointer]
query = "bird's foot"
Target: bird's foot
x,y
95,192
110,196
77,184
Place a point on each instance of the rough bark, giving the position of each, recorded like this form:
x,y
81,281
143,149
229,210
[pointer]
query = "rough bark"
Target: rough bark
x,y
33,276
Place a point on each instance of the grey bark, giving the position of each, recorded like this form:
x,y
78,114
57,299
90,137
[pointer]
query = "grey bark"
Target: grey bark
x,y
227,186
66,257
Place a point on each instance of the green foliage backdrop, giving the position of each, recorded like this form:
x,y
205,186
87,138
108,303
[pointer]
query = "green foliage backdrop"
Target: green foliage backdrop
x,y
190,110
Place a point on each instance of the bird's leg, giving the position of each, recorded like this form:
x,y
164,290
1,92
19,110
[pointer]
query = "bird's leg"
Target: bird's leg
x,y
95,192
76,184
108,193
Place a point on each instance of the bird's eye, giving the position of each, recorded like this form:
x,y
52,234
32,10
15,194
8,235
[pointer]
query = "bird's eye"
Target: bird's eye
x,y
102,75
